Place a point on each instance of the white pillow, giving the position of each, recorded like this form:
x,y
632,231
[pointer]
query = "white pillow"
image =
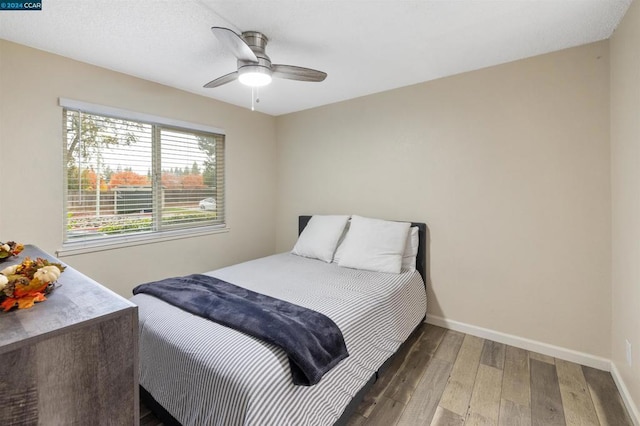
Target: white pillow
x,y
375,245
320,237
411,250
340,249
408,257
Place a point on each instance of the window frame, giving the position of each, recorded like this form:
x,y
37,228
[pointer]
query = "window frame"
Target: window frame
x,y
158,123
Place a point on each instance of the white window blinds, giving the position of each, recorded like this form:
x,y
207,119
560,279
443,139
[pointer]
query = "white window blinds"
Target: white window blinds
x,y
127,177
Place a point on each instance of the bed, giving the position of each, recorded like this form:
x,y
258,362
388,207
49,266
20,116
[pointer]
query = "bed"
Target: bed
x,y
196,372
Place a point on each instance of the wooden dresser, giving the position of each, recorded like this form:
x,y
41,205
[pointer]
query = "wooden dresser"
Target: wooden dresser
x,y
71,360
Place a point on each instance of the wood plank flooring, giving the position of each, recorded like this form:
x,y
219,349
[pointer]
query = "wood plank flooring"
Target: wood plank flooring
x,y
449,378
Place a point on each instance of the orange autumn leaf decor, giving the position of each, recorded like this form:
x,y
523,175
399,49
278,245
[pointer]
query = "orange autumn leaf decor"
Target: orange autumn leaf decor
x,y
10,248
29,282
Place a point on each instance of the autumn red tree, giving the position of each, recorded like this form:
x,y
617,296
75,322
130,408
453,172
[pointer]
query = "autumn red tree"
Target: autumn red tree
x,y
127,178
170,180
192,181
90,178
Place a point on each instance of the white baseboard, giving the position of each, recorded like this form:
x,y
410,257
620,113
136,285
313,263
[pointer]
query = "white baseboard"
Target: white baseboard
x,y
524,343
546,349
626,396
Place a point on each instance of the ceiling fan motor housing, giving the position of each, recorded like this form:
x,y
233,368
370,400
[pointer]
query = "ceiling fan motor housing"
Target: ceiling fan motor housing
x,y
257,42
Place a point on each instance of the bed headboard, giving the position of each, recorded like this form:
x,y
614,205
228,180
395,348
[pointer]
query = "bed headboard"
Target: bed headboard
x,y
421,258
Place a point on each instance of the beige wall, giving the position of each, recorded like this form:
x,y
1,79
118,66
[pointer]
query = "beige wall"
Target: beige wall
x,y
31,205
625,164
509,167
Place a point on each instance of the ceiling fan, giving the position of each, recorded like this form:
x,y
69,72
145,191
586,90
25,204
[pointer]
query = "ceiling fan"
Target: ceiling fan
x,y
254,66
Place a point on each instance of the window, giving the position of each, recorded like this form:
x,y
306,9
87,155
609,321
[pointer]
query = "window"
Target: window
x,y
131,177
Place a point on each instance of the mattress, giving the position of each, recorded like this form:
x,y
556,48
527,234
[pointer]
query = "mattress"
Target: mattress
x,y
204,373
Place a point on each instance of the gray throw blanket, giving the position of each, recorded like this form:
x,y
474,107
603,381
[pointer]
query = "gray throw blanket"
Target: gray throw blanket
x,y
312,341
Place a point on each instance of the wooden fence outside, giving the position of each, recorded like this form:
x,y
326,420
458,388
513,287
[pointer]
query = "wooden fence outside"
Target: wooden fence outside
x,y
117,200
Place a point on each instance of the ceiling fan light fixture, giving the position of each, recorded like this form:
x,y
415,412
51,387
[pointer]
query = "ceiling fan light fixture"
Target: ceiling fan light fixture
x,y
254,76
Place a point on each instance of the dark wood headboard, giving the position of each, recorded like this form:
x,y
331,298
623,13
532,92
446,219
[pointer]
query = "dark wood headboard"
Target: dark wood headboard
x,y
421,258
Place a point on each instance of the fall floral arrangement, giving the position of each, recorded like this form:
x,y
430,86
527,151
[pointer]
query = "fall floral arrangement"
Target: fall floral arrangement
x,y
24,284
8,249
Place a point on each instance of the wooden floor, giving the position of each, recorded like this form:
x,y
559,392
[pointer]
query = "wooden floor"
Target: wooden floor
x,y
449,378
147,418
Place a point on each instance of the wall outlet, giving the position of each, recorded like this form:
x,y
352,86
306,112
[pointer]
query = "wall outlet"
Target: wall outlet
x,y
628,347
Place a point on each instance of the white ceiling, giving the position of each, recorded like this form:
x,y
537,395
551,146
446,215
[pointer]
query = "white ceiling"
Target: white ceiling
x,y
364,46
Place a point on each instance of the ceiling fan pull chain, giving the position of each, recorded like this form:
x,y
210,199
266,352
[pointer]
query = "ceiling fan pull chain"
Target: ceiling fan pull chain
x,y
252,98
255,98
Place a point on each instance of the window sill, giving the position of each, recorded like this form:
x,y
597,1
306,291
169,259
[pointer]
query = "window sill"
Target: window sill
x,y
91,246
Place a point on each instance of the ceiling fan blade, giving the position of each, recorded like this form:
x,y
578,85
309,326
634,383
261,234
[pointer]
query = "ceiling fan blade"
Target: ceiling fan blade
x,y
297,73
222,80
235,44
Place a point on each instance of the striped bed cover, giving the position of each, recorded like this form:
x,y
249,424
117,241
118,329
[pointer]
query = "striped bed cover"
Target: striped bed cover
x,y
206,374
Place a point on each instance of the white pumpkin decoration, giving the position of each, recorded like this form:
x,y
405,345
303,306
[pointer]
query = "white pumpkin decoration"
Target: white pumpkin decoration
x,y
9,270
3,282
47,274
